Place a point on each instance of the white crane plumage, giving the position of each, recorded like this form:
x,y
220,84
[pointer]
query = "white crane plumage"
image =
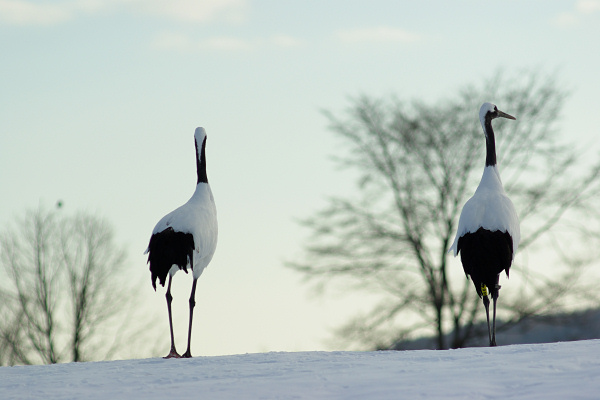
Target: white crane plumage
x,y
186,237
488,231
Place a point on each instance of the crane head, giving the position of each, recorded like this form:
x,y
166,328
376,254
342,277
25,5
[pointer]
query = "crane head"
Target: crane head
x,y
489,110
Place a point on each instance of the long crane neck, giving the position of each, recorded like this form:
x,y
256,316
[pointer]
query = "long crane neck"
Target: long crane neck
x,y
201,162
490,142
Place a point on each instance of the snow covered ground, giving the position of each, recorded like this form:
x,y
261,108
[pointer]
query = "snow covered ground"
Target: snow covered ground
x,y
568,370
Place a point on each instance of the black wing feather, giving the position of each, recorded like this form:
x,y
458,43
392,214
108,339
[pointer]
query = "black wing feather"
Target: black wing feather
x,y
484,255
168,248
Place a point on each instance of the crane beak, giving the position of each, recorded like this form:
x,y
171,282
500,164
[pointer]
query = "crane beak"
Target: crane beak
x,y
505,115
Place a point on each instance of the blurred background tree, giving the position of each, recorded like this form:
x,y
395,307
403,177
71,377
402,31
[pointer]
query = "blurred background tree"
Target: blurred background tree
x,y
65,292
417,165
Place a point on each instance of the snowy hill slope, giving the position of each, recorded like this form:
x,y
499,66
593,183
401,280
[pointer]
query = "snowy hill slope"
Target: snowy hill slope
x,y
568,370
579,325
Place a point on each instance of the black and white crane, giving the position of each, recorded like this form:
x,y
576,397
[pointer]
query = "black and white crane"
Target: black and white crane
x,y
185,238
488,232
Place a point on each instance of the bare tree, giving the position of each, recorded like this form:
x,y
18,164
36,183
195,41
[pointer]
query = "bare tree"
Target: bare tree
x,y
417,166
30,262
64,293
92,265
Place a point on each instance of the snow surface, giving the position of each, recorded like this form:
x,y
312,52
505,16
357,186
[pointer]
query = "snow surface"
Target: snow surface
x,y
567,370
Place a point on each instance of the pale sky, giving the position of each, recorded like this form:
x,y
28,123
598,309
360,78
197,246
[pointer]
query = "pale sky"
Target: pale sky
x,y
99,101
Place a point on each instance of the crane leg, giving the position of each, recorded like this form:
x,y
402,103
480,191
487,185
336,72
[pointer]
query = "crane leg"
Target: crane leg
x,y
486,304
494,298
188,353
173,353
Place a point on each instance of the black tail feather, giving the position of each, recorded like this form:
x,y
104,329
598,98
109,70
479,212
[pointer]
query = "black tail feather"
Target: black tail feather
x,y
168,248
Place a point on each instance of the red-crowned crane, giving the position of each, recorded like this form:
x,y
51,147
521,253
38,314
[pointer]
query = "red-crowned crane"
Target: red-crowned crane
x,y
186,237
488,229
